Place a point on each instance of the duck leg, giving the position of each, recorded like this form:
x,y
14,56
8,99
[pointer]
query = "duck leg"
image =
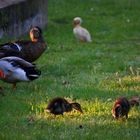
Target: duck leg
x,y
1,91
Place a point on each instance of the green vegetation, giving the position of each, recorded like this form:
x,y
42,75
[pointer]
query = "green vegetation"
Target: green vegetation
x,y
95,75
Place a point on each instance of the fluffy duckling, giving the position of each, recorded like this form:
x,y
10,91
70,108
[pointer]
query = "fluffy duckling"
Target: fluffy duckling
x,y
80,33
121,108
58,106
14,69
29,50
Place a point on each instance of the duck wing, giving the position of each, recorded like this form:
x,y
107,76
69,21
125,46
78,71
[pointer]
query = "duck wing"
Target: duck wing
x,y
11,47
31,51
16,61
14,48
26,49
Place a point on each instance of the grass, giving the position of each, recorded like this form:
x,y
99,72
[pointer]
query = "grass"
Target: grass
x,y
96,74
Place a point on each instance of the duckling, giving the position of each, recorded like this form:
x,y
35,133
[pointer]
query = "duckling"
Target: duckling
x,y
80,33
15,69
58,106
29,50
121,108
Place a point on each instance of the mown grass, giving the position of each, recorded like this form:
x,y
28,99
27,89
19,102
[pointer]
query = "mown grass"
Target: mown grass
x,y
95,75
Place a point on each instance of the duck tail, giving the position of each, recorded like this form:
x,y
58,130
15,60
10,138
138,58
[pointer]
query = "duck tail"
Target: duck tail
x,y
32,73
134,101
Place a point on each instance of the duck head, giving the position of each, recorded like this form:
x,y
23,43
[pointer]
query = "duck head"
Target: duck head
x,y
35,34
121,108
117,111
77,21
77,106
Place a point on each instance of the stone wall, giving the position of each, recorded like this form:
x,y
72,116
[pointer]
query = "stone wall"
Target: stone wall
x,y
17,16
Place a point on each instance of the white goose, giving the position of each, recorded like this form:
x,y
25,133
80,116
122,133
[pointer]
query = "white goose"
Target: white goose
x,y
80,33
15,69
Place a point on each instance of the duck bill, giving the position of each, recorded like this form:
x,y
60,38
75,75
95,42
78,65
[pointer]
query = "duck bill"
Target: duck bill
x,y
81,111
77,107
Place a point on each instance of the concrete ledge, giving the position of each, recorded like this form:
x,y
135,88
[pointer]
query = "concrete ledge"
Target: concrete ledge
x,y
5,3
17,16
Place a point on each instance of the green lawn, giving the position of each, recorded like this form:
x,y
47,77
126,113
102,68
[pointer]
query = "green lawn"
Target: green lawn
x,y
97,73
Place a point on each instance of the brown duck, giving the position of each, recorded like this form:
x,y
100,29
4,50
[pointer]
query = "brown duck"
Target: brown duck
x,y
29,50
58,106
121,108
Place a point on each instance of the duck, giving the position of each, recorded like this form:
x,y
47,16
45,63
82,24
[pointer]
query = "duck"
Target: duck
x,y
121,108
14,69
59,105
29,50
81,33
